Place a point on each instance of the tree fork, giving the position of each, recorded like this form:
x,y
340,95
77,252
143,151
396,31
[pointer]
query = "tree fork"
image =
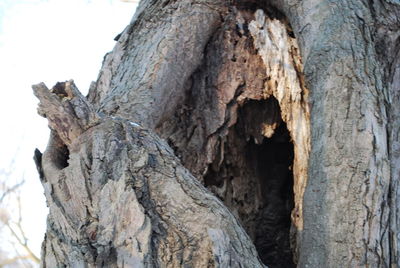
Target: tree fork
x,y
185,71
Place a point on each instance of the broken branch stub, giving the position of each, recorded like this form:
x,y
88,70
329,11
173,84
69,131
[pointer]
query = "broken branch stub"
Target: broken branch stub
x,y
125,200
67,110
118,196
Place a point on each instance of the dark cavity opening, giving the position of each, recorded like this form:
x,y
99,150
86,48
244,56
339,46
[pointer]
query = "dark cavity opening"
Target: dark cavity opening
x,y
59,151
272,161
62,157
253,176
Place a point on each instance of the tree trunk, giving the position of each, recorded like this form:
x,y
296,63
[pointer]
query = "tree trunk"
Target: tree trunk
x,y
287,112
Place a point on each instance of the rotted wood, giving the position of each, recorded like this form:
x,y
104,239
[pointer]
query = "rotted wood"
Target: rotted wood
x,y
192,72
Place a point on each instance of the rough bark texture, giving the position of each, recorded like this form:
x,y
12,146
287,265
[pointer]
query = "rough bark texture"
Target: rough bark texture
x,y
118,197
348,48
308,162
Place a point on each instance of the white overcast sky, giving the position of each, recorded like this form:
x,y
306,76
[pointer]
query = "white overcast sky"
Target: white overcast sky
x,y
46,41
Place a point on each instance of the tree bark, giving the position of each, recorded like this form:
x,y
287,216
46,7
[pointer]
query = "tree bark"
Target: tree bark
x,y
286,111
119,197
350,49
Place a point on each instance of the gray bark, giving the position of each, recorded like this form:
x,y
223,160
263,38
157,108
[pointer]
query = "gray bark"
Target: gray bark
x,y
288,113
349,50
122,199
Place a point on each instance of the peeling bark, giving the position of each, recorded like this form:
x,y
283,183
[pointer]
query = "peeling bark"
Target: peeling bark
x,y
347,201
243,65
305,158
285,82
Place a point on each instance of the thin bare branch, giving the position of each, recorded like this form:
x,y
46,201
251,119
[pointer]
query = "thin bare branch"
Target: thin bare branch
x,y
23,244
11,190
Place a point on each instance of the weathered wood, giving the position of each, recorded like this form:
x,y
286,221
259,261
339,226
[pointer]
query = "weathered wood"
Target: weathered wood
x,y
348,48
118,197
222,82
66,109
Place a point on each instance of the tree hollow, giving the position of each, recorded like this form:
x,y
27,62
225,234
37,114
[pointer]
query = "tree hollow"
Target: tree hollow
x,y
254,177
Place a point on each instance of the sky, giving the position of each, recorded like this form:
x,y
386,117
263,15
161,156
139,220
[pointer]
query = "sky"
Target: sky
x,y
46,41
